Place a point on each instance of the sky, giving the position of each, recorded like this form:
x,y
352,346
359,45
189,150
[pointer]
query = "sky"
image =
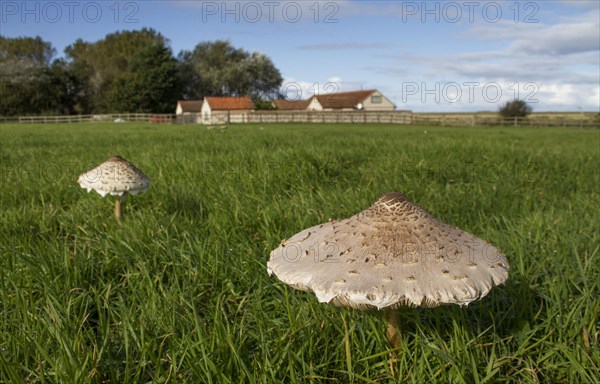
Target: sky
x,y
425,56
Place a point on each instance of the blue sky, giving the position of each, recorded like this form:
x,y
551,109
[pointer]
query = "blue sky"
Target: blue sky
x,y
439,56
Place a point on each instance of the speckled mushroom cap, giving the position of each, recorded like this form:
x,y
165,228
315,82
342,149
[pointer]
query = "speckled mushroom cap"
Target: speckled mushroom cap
x,y
394,253
115,176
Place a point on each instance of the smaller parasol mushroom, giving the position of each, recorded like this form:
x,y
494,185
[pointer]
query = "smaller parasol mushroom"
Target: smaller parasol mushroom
x,y
117,177
390,255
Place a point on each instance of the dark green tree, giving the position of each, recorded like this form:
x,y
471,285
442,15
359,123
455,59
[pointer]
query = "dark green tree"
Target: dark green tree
x,y
263,79
210,66
104,64
189,79
219,69
23,52
24,75
151,83
515,109
29,82
126,71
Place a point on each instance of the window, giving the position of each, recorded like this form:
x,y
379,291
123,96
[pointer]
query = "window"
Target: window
x,y
376,99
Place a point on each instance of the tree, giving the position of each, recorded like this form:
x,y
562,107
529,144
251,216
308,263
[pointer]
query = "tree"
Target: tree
x,y
102,65
515,109
59,89
188,77
264,105
29,83
262,78
218,69
129,71
150,84
25,51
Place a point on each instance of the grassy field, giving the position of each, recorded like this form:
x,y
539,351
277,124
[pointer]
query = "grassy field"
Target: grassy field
x,y
178,292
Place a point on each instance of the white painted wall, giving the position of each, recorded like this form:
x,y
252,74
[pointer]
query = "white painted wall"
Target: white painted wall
x,y
385,105
314,105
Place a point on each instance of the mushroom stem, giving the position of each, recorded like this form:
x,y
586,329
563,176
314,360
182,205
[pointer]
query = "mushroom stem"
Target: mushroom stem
x,y
118,205
392,317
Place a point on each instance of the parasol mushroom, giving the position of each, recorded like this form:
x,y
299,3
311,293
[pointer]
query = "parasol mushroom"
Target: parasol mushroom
x,y
390,255
118,177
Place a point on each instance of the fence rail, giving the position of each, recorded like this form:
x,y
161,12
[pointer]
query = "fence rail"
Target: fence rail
x,y
322,117
355,117
475,120
115,117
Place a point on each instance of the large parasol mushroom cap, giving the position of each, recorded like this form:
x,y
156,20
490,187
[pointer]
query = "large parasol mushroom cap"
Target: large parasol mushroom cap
x,y
392,254
115,176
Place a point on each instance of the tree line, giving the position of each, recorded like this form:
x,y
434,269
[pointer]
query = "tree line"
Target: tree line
x,y
128,71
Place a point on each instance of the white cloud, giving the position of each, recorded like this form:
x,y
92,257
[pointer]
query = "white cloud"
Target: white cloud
x,y
566,96
555,65
594,98
558,94
294,89
453,97
561,39
570,35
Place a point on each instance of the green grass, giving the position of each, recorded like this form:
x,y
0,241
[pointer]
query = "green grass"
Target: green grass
x,y
178,292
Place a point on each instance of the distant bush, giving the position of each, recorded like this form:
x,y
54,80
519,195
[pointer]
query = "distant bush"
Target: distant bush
x,y
264,105
516,108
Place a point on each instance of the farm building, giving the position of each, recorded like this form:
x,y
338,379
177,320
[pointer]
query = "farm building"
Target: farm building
x,y
216,109
221,109
369,100
291,105
188,107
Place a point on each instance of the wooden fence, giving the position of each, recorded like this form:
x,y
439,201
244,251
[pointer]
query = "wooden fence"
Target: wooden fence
x,y
325,117
352,117
114,117
266,117
474,120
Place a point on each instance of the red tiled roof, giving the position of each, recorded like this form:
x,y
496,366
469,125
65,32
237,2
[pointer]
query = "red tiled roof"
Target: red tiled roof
x,y
287,105
191,106
341,100
223,103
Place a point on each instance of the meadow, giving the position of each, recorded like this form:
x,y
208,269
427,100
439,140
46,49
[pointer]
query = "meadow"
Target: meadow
x,y
178,291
